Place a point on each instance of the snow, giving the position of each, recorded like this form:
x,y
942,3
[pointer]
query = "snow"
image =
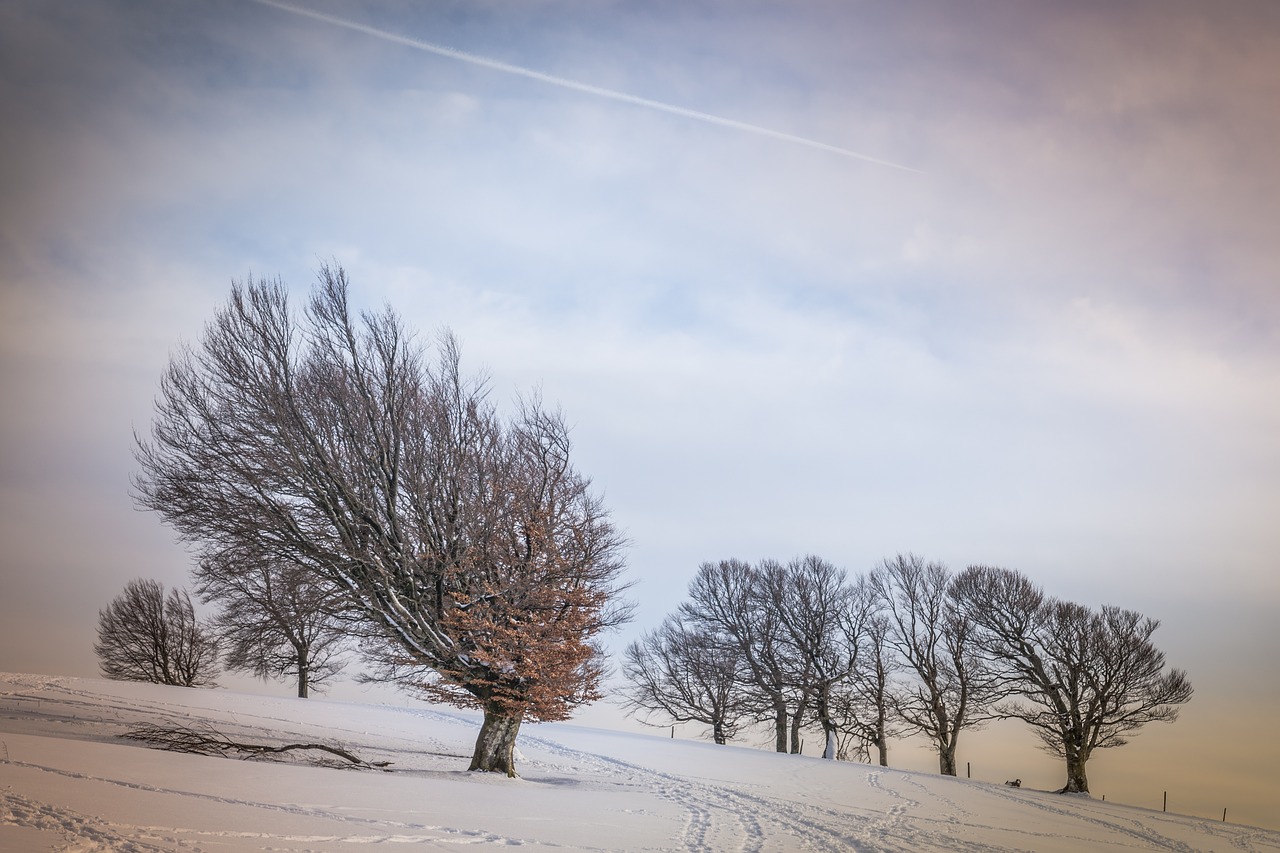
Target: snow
x,y
69,782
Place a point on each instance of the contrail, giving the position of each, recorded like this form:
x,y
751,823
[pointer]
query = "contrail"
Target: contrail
x,y
576,86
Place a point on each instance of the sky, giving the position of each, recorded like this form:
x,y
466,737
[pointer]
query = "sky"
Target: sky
x,y
993,282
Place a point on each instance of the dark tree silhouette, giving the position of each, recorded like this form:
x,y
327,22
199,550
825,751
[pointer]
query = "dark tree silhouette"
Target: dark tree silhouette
x,y
480,560
145,635
955,687
820,623
1087,678
687,674
728,599
277,619
866,702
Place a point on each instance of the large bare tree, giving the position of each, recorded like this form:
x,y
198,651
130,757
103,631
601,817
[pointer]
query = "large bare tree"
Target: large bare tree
x,y
1087,678
955,687
687,674
481,560
145,635
277,618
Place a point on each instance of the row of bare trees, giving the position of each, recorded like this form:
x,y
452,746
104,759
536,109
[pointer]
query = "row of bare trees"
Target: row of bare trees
x,y
908,648
335,484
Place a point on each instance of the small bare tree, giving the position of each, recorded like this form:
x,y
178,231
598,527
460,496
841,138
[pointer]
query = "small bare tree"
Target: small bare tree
x,y
955,687
277,618
145,635
687,674
1087,678
866,703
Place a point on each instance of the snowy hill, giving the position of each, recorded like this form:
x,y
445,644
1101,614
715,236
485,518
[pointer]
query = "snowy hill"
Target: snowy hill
x,y
69,782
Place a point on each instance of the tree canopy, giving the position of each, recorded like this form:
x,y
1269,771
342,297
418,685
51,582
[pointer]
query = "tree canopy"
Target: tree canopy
x,y
478,557
146,635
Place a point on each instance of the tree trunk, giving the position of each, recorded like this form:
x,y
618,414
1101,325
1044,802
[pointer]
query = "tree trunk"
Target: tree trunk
x,y
717,732
881,736
797,721
495,747
947,759
828,725
882,711
780,728
304,673
829,752
1077,781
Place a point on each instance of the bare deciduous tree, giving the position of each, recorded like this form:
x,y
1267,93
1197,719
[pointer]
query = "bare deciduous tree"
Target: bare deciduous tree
x,y
145,635
727,598
479,557
814,610
688,674
955,687
867,702
1088,678
277,619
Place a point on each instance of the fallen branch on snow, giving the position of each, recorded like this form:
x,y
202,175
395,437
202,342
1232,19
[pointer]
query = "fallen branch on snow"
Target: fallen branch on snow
x,y
213,742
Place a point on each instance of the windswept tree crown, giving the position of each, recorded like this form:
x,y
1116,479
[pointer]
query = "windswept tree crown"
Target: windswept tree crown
x,y
478,559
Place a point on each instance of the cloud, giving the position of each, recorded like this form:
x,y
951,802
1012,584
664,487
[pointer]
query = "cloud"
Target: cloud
x,y
577,85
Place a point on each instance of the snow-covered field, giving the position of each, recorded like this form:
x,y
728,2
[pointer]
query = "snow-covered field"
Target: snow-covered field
x,y
69,782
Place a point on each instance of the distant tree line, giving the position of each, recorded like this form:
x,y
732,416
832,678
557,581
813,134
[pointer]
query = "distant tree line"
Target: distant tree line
x,y
907,648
